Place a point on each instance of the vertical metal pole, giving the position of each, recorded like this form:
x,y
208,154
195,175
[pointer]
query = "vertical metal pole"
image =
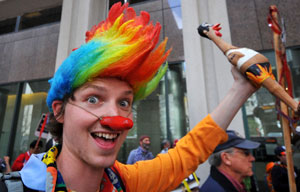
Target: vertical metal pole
x,y
18,24
169,134
245,120
14,124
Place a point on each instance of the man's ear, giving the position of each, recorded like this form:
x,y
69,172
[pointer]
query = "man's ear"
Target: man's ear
x,y
225,158
56,106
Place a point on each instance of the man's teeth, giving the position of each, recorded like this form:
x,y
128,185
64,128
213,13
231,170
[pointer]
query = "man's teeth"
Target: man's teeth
x,y
106,135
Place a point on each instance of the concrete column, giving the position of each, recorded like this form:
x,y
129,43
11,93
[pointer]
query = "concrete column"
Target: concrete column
x,y
207,70
78,16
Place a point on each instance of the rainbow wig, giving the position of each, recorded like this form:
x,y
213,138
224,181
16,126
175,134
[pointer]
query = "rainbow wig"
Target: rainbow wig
x,y
122,46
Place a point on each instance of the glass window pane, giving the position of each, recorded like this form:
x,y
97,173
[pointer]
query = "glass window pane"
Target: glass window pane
x,y
177,102
33,105
260,107
7,105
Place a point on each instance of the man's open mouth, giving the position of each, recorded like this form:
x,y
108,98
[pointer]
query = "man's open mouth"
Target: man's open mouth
x,y
106,136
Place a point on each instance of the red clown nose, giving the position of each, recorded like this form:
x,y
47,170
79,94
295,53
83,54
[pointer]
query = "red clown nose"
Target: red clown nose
x,y
118,123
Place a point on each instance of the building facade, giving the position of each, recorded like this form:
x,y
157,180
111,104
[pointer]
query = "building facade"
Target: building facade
x,y
36,38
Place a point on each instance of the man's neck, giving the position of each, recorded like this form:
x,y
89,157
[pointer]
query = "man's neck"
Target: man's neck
x,y
77,175
143,149
231,173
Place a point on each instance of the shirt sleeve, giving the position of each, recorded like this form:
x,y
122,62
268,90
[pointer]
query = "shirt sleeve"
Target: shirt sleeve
x,y
166,171
18,163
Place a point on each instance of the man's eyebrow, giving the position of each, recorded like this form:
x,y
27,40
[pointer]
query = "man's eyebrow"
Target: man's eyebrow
x,y
91,86
129,92
103,89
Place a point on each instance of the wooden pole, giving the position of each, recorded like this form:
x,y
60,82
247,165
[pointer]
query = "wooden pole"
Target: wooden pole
x,y
279,48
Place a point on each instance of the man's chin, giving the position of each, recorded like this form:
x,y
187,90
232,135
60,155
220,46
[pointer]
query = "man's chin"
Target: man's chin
x,y
104,163
250,174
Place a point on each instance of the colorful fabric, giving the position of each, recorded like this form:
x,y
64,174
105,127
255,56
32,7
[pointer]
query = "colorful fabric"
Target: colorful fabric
x,y
123,47
20,161
55,181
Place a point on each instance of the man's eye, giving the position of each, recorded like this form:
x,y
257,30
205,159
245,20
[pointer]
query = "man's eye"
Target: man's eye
x,y
93,100
124,103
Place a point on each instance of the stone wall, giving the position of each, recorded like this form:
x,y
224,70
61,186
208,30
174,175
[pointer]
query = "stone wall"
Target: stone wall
x,y
29,54
249,26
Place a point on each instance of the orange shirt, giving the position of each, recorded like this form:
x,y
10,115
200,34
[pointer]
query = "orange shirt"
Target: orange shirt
x,y
166,171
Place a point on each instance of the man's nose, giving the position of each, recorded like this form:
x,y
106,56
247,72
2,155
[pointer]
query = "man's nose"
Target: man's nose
x,y
112,109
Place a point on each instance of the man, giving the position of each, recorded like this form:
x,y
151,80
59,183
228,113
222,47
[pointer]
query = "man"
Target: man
x,y
91,98
279,172
142,152
231,163
165,146
4,165
22,159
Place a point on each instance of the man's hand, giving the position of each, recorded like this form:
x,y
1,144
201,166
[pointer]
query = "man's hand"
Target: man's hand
x,y
241,82
6,159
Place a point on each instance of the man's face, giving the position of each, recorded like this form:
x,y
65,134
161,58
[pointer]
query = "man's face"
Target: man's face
x,y
83,136
282,158
145,143
241,162
35,150
167,145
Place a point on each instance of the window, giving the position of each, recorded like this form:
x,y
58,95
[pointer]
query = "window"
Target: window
x,y
260,108
30,20
7,104
111,2
32,105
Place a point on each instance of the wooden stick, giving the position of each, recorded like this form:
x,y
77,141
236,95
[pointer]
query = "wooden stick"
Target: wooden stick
x,y
250,63
279,48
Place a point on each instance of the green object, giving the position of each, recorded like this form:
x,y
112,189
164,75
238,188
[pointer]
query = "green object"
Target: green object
x,y
247,183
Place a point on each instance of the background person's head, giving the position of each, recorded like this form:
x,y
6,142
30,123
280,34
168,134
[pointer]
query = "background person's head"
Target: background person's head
x,y
280,154
174,142
165,144
145,142
38,149
234,156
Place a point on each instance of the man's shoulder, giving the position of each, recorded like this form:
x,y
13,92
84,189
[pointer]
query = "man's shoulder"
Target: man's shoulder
x,y
278,166
211,185
134,150
21,155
